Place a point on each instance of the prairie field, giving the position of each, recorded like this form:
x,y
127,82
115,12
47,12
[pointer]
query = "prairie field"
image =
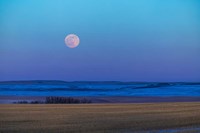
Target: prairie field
x,y
100,118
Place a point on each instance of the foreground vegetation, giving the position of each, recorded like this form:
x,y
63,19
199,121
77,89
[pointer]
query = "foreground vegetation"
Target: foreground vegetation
x,y
57,100
97,118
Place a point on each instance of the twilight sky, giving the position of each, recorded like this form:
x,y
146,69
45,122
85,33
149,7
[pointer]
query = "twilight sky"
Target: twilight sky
x,y
123,40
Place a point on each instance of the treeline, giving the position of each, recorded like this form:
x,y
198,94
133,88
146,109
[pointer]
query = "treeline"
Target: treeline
x,y
57,100
54,100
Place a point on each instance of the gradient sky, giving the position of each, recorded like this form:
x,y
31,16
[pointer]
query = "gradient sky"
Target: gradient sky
x,y
122,40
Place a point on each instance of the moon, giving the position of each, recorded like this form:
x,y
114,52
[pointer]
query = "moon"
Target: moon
x,y
72,40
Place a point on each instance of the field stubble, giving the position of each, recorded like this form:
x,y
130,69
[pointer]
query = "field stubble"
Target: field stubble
x,y
97,118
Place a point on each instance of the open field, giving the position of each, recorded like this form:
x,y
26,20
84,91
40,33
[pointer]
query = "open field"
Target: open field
x,y
97,118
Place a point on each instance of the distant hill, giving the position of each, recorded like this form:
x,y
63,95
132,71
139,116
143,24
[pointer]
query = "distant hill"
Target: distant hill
x,y
149,84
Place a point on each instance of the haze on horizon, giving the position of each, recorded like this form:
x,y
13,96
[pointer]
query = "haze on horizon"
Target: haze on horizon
x,y
121,40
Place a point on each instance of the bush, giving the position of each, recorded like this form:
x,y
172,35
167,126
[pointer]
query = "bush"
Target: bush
x,y
57,100
65,100
84,100
36,102
21,102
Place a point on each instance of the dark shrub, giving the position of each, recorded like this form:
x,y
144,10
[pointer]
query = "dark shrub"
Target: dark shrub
x,y
65,100
36,102
84,100
21,102
57,100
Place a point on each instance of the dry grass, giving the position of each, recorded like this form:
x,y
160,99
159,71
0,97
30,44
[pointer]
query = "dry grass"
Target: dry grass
x,y
97,118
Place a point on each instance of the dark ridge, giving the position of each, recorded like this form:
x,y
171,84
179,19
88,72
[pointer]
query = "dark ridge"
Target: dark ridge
x,y
196,83
150,85
93,82
57,89
156,85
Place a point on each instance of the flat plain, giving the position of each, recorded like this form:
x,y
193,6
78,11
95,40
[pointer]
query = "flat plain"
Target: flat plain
x,y
100,118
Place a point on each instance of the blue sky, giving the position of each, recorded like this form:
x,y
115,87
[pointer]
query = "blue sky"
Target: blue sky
x,y
123,40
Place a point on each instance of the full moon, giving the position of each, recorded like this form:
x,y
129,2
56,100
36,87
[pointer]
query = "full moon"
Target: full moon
x,y
72,40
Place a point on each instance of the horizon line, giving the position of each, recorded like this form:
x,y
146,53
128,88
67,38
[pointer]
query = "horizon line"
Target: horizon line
x,y
1,81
